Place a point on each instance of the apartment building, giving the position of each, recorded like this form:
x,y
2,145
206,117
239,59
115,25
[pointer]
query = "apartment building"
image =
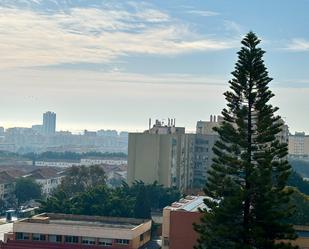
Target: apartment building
x,y
163,154
168,155
62,231
7,186
206,137
48,178
299,144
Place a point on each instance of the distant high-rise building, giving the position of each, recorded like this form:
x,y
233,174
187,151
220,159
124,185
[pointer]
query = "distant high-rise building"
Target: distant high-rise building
x,y
37,128
1,131
49,123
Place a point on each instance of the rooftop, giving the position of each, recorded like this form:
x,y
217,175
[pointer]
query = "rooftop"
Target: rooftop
x,y
85,220
44,173
189,203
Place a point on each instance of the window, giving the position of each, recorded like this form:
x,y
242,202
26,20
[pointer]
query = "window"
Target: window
x,y
166,241
22,236
39,237
105,242
141,237
122,241
71,239
55,238
88,241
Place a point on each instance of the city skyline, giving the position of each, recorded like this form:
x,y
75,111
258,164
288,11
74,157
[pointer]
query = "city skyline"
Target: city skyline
x,y
143,59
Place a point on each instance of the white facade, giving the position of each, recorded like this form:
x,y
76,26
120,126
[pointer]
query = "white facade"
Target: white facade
x,y
48,185
92,161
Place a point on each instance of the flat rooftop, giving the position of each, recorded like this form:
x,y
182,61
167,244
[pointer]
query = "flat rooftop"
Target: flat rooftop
x,y
189,203
85,220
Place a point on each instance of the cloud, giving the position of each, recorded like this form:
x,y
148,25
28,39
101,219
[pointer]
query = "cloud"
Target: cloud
x,y
233,27
204,13
94,35
298,44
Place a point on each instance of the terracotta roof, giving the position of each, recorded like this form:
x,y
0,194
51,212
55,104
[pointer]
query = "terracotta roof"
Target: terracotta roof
x,y
5,178
15,173
44,173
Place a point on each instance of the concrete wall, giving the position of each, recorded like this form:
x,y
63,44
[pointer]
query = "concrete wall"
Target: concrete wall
x,y
178,232
88,230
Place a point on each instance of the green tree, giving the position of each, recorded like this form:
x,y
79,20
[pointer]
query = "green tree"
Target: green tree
x,y
142,208
58,202
301,202
80,178
295,180
27,189
246,184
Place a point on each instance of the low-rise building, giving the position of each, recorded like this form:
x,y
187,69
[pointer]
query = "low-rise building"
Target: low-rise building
x,y
7,185
57,231
58,163
178,220
48,178
97,161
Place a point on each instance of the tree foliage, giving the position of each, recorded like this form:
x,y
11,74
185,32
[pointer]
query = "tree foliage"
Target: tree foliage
x,y
27,189
301,202
295,180
79,178
134,201
300,166
247,180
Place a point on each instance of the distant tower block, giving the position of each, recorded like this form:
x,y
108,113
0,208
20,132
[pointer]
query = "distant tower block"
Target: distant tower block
x,y
49,123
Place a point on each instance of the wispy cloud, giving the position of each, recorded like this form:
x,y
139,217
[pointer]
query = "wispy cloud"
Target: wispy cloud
x,y
203,12
94,35
233,27
298,44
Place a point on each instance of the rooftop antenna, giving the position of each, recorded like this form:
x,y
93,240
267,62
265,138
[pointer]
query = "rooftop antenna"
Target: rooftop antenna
x,y
149,123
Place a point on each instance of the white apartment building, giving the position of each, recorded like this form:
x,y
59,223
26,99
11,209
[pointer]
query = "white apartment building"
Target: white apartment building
x,y
48,178
7,184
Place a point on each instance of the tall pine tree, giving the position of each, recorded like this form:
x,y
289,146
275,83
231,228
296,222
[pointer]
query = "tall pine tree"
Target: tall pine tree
x,y
246,182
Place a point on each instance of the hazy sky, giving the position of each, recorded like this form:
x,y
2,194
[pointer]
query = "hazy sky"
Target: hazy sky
x,y
114,64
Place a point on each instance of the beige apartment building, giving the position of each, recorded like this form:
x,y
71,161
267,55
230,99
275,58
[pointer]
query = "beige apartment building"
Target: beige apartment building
x,y
166,154
173,158
162,154
299,144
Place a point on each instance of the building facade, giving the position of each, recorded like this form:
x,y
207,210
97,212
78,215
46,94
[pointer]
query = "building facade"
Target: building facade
x,y
299,144
57,231
178,220
48,178
168,155
49,123
163,154
7,186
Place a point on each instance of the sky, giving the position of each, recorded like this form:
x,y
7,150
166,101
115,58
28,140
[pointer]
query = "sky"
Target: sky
x,y
115,64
